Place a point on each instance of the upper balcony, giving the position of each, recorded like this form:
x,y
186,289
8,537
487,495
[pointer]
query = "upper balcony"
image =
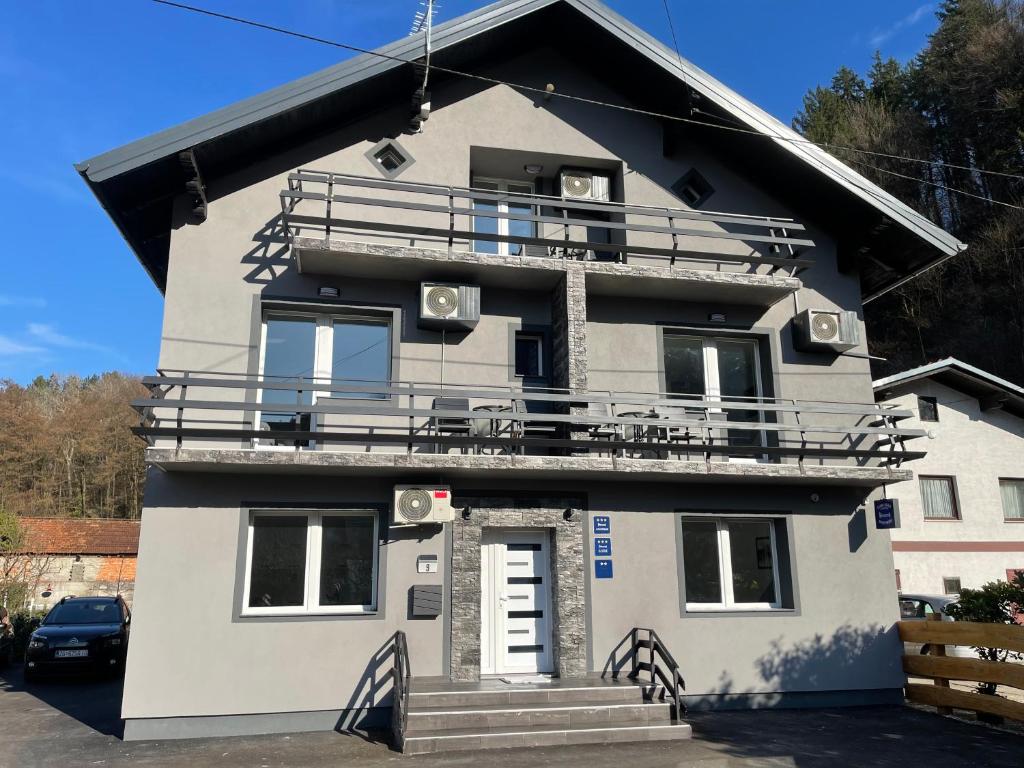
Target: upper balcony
x,y
234,423
357,226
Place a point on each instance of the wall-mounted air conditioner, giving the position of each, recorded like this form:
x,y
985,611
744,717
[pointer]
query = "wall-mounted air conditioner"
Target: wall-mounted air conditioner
x,y
819,330
445,306
580,184
421,504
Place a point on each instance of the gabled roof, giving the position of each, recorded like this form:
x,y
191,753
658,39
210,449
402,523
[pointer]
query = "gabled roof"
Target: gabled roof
x,y
988,388
80,536
149,167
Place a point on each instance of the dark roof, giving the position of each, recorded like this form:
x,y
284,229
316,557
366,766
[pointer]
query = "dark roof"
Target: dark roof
x,y
988,388
80,536
136,183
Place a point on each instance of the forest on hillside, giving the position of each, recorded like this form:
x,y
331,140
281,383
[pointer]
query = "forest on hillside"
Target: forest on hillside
x,y
66,447
958,108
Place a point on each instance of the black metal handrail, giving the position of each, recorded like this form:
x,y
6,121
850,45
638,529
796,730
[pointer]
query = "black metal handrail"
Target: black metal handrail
x,y
440,208
400,675
212,406
667,672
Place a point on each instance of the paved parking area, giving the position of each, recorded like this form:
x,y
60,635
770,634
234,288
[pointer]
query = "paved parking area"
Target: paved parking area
x,y
75,723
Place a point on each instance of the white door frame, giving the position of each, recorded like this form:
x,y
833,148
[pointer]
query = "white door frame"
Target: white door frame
x,y
497,597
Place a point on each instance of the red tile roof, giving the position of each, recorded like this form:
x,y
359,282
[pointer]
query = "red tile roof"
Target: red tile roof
x,y
80,536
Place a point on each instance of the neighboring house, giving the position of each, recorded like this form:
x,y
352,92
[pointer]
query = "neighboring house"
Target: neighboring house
x,y
962,518
81,556
538,304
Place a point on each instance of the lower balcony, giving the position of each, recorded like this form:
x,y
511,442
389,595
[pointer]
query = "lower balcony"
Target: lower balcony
x,y
203,421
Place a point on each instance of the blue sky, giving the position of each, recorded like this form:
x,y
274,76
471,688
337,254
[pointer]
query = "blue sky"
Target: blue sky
x,y
80,77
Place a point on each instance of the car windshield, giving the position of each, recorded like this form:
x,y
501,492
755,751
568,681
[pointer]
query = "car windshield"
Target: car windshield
x,y
85,612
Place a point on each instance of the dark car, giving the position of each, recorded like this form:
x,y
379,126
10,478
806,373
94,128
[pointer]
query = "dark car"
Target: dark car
x,y
80,634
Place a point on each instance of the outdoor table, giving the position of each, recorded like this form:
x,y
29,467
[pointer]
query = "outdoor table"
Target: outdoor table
x,y
652,433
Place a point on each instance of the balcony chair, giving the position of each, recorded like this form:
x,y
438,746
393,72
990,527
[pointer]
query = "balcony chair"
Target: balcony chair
x,y
456,425
529,429
607,431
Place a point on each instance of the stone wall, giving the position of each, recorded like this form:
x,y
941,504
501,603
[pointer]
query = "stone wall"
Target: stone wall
x,y
567,576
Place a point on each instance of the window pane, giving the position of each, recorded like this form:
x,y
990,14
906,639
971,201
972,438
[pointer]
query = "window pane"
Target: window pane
x,y
684,365
737,375
951,585
927,408
362,354
484,224
290,353
528,356
701,570
1012,492
937,495
750,550
346,560
519,228
278,575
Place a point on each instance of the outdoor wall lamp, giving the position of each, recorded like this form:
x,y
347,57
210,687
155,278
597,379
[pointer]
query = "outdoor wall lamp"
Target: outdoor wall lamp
x,y
567,515
466,512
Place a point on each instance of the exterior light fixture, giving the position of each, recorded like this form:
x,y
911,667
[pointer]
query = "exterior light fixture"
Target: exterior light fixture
x,y
716,317
329,292
567,514
466,513
533,168
548,90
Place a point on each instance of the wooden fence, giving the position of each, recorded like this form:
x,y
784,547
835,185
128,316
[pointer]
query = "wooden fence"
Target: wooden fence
x,y
942,668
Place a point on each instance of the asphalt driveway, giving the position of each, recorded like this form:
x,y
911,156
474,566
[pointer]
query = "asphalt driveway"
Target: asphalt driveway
x,y
76,723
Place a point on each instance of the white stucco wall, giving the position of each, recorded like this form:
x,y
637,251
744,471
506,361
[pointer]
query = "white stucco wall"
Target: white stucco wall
x,y
977,448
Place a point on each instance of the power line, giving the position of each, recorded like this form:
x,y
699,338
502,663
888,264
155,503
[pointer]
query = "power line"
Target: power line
x,y
936,184
672,29
585,100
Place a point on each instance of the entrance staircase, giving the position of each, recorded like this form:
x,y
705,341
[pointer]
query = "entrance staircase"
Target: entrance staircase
x,y
494,714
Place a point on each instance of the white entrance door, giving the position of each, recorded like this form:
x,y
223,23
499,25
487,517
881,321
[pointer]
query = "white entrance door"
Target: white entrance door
x,y
515,603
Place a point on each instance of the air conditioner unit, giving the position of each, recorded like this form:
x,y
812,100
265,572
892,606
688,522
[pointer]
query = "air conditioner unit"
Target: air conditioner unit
x,y
422,505
444,306
579,184
818,330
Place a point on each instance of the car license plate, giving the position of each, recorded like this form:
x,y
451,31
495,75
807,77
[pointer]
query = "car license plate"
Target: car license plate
x,y
72,654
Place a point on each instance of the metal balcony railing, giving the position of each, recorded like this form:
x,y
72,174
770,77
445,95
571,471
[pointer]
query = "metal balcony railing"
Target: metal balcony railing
x,y
200,409
326,204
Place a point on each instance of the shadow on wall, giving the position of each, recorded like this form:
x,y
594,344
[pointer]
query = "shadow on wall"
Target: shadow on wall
x,y
367,713
817,665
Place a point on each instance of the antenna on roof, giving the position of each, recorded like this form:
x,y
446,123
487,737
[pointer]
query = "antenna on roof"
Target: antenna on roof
x,y
423,22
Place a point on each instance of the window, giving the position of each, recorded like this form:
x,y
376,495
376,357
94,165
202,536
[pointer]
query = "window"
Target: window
x,y
502,228
730,563
938,494
322,349
1012,494
717,368
529,355
389,157
311,562
927,408
899,583
693,189
951,585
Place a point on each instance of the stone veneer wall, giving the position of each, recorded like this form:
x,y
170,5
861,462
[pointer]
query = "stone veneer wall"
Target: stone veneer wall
x,y
568,626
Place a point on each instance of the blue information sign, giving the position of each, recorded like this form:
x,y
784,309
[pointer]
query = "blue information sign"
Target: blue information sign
x,y
602,524
602,569
887,513
602,546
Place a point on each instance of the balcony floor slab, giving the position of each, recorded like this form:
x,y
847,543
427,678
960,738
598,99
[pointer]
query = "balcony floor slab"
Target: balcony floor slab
x,y
378,261
241,461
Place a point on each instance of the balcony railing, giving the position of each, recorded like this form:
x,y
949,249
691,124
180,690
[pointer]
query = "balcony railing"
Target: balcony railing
x,y
204,409
326,204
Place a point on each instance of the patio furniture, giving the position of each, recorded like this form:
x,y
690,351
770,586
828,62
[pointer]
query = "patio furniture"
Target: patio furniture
x,y
455,425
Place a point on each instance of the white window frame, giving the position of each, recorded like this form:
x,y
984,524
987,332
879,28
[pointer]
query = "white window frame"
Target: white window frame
x,y
713,383
323,354
725,567
538,339
502,207
314,540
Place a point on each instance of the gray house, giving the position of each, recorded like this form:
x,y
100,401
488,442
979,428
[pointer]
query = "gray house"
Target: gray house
x,y
534,382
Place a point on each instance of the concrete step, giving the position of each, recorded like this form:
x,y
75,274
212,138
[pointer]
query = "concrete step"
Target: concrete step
x,y
565,714
540,736
615,693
